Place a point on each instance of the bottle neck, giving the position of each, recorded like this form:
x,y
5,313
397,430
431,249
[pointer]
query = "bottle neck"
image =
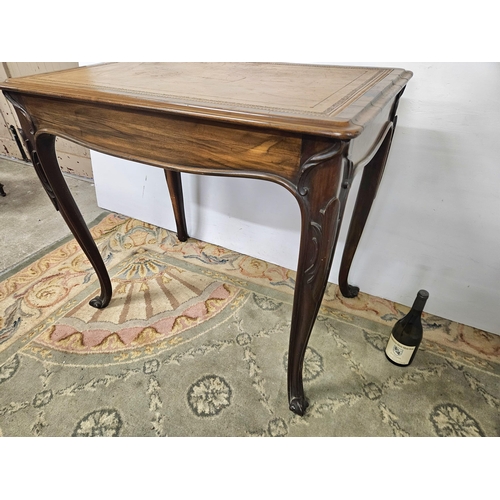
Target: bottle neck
x,y
419,304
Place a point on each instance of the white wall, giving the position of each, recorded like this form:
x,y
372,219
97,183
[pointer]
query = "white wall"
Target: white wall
x,y
434,225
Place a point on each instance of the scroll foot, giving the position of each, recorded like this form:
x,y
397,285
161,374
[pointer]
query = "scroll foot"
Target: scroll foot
x,y
99,302
349,291
299,405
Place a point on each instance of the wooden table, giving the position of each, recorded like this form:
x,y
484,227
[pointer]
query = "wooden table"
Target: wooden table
x,y
306,127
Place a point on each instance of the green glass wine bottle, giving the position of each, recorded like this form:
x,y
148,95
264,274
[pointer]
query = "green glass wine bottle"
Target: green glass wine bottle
x,y
407,333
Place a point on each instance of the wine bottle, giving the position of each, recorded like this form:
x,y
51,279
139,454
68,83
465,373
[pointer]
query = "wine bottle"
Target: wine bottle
x,y
407,333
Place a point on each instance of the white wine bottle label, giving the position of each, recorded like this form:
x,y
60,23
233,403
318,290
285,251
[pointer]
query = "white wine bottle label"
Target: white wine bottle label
x,y
399,353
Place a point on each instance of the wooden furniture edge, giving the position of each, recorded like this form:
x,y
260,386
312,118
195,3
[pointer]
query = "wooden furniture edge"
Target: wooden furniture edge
x,y
342,128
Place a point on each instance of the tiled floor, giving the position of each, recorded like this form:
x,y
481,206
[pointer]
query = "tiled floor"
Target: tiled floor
x,y
29,221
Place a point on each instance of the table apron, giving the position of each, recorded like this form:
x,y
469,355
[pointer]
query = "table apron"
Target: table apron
x,y
169,141
366,144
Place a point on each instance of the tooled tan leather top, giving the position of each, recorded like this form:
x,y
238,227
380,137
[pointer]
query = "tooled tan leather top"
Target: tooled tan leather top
x,y
309,98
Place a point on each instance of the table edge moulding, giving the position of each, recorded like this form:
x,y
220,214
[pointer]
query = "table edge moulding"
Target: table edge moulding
x,y
307,127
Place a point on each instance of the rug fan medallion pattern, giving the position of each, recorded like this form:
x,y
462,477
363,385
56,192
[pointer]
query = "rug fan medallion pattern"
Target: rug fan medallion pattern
x,y
196,337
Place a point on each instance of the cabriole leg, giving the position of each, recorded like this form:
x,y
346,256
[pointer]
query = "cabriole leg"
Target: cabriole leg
x,y
370,181
42,151
319,195
46,155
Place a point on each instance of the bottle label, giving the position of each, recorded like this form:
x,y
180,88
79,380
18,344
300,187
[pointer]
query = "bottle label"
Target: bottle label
x,y
399,353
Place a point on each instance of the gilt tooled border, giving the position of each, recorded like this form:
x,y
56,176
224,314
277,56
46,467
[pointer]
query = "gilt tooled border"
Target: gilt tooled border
x,y
179,99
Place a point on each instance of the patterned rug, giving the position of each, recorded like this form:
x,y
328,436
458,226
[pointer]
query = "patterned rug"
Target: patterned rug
x,y
194,343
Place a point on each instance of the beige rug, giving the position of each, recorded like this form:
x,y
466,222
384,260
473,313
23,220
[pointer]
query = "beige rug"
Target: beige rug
x,y
194,343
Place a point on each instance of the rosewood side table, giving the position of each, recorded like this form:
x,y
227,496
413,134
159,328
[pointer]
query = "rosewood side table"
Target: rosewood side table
x,y
305,127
